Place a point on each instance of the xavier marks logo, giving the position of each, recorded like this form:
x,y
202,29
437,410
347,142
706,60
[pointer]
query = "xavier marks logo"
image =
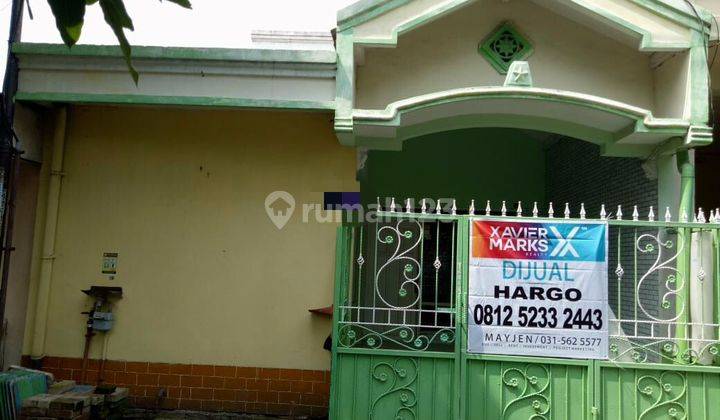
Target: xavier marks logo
x,y
279,206
564,244
523,240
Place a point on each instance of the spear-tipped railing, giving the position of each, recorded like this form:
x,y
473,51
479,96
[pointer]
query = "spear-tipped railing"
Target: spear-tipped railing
x,y
401,290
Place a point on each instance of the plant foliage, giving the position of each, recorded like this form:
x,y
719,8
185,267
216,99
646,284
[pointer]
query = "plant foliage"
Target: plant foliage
x,y
70,16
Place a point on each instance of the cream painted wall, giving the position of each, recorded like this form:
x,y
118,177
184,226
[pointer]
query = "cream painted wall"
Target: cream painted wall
x,y
672,85
712,6
443,55
179,194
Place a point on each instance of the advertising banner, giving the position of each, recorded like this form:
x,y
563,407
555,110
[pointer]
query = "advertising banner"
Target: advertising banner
x,y
538,288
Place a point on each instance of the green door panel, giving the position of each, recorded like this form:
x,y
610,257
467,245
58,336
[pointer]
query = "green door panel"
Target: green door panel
x,y
526,390
654,394
384,387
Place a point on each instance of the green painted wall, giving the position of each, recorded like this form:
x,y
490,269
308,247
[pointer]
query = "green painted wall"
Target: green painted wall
x,y
482,164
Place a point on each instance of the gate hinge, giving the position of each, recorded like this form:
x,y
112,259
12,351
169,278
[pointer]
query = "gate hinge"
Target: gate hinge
x,y
595,411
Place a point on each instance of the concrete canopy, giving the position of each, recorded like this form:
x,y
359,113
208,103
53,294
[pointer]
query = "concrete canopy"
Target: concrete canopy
x,y
629,75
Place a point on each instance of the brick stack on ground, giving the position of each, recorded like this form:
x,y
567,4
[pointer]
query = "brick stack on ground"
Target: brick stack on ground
x,y
66,401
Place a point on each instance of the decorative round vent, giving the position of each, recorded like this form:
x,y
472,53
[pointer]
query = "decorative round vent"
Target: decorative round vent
x,y
503,46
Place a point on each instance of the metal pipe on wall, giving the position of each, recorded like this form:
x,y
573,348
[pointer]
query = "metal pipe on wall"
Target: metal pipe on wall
x,y
687,209
48,249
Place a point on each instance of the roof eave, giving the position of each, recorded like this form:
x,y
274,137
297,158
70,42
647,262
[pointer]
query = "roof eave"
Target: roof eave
x,y
182,53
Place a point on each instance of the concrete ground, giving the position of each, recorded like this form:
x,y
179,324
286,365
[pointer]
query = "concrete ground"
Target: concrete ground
x,y
139,414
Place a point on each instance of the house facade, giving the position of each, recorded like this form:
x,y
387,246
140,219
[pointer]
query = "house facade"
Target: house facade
x,y
435,109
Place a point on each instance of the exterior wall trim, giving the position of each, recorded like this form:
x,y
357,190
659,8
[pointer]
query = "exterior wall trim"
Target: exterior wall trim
x,y
180,53
640,121
199,101
95,74
364,11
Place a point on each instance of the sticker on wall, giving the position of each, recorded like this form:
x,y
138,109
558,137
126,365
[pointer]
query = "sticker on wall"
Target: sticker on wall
x,y
109,263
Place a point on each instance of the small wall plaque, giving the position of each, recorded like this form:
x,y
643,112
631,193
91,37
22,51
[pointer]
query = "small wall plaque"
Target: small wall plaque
x,y
109,263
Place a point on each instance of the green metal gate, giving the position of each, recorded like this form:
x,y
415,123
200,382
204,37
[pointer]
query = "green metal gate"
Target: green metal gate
x,y
400,327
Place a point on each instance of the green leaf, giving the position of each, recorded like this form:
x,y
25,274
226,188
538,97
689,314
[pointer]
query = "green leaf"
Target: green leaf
x,y
69,18
117,18
184,3
116,14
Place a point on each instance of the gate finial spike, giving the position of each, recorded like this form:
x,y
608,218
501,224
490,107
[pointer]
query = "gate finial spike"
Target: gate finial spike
x,y
668,216
453,209
379,207
392,205
471,210
712,216
583,213
619,212
408,210
503,210
567,210
636,214
684,216
551,211
701,216
651,214
519,209
535,210
603,213
423,207
488,210
438,210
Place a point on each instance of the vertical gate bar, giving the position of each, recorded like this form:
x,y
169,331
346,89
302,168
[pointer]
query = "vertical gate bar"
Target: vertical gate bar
x,y
716,277
704,399
360,266
437,271
346,313
369,385
550,381
355,382
636,292
619,278
703,321
453,272
635,380
422,272
567,388
595,379
340,249
375,279
434,382
620,393
587,395
460,365
683,297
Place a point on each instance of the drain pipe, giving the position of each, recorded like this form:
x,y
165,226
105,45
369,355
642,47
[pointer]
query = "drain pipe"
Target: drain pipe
x,y
687,209
48,249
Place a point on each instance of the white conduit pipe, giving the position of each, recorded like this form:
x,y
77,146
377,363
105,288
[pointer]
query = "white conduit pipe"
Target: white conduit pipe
x,y
48,248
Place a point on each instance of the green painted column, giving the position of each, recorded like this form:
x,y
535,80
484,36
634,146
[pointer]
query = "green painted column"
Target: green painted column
x,y
687,207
